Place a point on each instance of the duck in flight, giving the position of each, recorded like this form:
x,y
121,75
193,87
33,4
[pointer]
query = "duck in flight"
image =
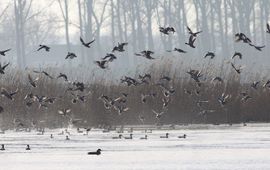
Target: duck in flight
x,y
2,68
210,54
146,53
191,41
103,64
43,72
32,81
45,47
71,55
7,94
3,53
238,70
120,47
167,30
86,44
237,54
268,28
194,34
64,76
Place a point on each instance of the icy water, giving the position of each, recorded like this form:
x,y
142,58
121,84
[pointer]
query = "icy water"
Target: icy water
x,y
205,148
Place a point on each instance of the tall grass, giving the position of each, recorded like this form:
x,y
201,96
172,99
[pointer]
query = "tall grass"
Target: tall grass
x,y
182,108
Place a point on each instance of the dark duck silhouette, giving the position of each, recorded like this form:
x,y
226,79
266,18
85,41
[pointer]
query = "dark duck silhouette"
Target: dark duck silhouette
x,y
167,30
210,54
3,53
191,41
2,147
237,54
45,47
27,147
120,47
2,68
183,136
71,55
86,44
61,75
7,94
268,28
98,152
238,70
194,34
102,64
33,82
146,53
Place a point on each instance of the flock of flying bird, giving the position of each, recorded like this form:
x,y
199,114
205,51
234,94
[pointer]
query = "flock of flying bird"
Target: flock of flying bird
x,y
119,104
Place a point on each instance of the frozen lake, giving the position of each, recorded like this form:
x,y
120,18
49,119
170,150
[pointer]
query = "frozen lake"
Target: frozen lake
x,y
205,148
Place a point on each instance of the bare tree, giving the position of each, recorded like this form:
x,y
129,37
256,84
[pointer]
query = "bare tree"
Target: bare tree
x,y
65,15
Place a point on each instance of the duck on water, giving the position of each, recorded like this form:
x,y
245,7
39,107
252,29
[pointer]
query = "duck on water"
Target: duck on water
x,y
98,152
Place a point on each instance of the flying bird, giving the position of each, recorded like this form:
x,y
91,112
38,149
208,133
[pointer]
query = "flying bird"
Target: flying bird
x,y
237,54
146,53
2,68
71,55
178,50
191,41
102,64
8,94
210,54
120,47
45,47
86,44
32,81
158,114
44,72
64,76
223,99
194,34
259,48
3,53
64,112
238,70
268,28
167,30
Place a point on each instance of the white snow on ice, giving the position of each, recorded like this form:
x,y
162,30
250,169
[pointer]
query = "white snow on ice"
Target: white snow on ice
x,y
205,148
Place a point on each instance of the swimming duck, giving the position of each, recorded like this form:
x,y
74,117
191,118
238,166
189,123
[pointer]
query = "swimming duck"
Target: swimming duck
x,y
145,137
27,148
118,137
130,136
95,153
183,136
3,147
67,138
166,136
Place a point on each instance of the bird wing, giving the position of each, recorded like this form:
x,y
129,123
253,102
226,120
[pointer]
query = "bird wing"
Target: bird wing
x,y
5,66
91,42
189,30
82,41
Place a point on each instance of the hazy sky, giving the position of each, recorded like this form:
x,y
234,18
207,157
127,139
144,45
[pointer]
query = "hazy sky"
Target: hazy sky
x,y
52,7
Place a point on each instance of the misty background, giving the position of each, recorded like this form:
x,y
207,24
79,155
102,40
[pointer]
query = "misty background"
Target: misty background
x,y
25,24
59,23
